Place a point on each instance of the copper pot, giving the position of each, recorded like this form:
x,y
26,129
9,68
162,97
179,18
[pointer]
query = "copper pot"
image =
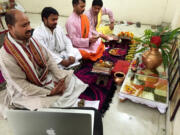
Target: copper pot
x,y
152,58
119,77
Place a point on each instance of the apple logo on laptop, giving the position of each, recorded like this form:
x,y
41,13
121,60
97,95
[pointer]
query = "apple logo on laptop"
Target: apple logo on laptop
x,y
50,131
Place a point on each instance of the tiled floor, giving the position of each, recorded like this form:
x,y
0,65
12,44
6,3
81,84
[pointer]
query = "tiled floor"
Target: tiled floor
x,y
122,118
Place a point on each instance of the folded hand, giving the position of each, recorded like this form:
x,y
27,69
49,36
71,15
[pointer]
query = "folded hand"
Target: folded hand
x,y
65,63
93,39
71,59
59,88
111,26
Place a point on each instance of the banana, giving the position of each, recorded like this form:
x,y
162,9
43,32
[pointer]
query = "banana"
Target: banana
x,y
129,59
133,45
130,55
132,51
132,48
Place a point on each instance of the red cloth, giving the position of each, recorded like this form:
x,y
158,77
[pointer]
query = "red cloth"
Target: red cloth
x,y
121,66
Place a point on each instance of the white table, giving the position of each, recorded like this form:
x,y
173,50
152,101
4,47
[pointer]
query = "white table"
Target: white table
x,y
130,90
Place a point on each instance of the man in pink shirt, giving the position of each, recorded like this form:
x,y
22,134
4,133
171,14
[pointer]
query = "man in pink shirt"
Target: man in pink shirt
x,y
80,33
94,15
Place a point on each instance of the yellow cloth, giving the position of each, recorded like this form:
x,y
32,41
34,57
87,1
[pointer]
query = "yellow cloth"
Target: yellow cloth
x,y
102,29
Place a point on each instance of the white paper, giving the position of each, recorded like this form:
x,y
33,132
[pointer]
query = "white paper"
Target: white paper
x,y
87,103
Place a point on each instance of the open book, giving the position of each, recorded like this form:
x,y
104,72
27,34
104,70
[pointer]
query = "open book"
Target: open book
x,y
75,111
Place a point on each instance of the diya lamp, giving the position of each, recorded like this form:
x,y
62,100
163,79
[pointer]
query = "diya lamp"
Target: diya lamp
x,y
119,77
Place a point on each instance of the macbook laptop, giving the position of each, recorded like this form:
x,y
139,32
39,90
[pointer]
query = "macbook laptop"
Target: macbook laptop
x,y
51,122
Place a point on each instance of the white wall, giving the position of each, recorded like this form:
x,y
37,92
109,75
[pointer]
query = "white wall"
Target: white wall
x,y
176,19
172,5
145,11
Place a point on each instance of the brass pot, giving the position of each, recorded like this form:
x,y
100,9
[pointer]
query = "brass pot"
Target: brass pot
x,y
152,58
119,77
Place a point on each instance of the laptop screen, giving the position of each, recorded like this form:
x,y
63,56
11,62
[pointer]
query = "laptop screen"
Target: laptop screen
x,y
51,122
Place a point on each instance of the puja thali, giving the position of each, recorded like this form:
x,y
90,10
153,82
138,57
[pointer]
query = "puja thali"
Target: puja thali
x,y
117,52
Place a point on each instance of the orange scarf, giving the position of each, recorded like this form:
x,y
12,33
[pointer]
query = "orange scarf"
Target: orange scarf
x,y
85,28
36,57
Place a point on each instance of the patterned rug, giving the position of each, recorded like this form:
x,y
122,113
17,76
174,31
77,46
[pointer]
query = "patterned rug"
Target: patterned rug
x,y
99,90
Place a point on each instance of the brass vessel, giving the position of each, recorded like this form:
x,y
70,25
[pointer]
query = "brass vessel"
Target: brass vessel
x,y
119,77
152,58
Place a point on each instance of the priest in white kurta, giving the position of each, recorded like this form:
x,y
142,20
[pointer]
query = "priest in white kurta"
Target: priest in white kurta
x,y
33,79
52,37
24,93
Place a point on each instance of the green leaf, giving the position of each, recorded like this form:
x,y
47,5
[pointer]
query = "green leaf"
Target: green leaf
x,y
142,50
165,59
165,46
153,45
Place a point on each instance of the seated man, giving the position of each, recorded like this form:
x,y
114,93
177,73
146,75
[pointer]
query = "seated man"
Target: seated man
x,y
78,29
94,15
54,39
33,78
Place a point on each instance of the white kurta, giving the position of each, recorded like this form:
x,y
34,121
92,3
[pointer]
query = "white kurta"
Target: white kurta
x,y
58,44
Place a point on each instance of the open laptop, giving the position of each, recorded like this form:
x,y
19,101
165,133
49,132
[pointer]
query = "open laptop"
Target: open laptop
x,y
51,122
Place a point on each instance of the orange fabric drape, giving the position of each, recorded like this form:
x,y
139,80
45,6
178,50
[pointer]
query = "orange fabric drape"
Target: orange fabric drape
x,y
85,28
93,56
